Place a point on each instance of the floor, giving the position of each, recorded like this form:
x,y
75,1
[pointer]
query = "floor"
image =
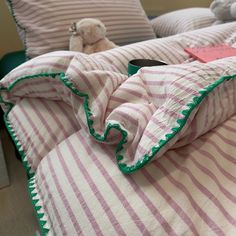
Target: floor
x,y
17,217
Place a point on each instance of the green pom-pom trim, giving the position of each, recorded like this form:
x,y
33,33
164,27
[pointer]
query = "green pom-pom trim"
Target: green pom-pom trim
x,y
33,194
196,100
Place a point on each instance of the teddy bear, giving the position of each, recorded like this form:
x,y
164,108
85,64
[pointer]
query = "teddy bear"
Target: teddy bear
x,y
89,36
224,10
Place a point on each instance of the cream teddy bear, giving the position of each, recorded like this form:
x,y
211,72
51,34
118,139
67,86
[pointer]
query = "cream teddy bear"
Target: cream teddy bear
x,y
224,10
89,36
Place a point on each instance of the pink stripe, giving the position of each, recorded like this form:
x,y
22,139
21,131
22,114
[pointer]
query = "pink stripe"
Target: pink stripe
x,y
147,203
117,59
144,51
114,186
40,94
74,123
150,136
162,52
127,91
63,197
193,70
53,65
212,176
167,96
204,191
207,115
93,187
28,140
37,133
217,147
110,60
178,75
118,99
42,119
170,112
79,196
229,128
177,208
35,82
90,88
160,124
207,154
139,110
52,201
52,113
203,215
219,106
142,151
226,140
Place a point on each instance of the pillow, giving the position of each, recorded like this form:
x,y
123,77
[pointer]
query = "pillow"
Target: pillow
x,y
180,21
44,24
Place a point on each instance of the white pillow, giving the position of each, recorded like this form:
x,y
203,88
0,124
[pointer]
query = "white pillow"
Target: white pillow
x,y
183,20
45,23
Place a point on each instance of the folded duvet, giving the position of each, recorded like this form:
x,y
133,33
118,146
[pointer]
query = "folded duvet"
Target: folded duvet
x,y
142,116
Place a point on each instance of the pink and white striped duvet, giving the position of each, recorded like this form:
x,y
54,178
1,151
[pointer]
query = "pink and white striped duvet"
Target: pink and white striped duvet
x,y
160,115
189,191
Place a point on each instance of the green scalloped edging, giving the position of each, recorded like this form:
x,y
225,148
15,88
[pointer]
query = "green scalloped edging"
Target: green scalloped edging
x,y
12,133
196,100
33,193
27,167
147,158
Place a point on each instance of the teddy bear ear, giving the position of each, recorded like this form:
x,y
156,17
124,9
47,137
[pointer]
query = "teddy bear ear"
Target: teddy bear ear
x,y
72,28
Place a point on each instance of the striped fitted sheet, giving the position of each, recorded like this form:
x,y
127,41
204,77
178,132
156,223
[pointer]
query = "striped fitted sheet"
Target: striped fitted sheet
x,y
189,191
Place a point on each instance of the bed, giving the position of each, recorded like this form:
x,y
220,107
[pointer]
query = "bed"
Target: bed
x,y
108,154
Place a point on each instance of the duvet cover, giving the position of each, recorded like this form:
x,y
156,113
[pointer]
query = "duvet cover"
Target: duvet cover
x,y
149,154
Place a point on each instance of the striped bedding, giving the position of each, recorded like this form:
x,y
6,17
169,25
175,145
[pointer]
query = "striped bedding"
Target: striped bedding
x,y
39,125
43,25
189,191
183,20
79,121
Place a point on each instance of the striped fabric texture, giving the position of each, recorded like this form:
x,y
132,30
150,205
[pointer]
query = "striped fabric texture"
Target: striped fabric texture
x,y
46,23
146,109
146,114
183,20
39,125
189,191
77,188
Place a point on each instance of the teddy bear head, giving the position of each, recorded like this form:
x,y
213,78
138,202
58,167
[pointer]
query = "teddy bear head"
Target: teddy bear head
x,y
89,29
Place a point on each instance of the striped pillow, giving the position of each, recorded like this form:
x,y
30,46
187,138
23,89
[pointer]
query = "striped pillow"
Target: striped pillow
x,y
44,24
183,20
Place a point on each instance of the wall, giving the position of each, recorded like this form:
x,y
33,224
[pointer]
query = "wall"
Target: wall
x,y
9,40
155,7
